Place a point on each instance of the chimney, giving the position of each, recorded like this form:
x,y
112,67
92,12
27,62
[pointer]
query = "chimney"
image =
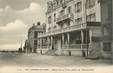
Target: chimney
x,y
38,23
33,24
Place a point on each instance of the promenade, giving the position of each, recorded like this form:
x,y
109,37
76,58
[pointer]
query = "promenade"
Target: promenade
x,y
28,60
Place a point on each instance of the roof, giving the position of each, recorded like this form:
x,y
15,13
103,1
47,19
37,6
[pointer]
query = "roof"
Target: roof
x,y
37,27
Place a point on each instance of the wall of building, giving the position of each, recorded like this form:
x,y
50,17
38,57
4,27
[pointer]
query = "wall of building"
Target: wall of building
x,y
82,14
96,11
112,32
33,34
106,27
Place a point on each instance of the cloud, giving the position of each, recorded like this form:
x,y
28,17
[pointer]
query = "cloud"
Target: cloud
x,y
1,9
12,34
16,26
15,23
16,4
34,7
28,15
35,13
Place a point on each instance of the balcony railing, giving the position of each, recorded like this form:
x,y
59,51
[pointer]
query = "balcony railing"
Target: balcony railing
x,y
64,17
76,46
63,30
69,29
74,27
71,46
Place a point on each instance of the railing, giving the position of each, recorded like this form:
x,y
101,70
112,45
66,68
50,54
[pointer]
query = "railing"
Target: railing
x,y
64,17
57,31
65,46
107,37
71,28
67,29
42,47
71,46
76,46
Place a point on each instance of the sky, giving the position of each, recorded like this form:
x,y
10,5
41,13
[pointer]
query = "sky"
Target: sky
x,y
16,16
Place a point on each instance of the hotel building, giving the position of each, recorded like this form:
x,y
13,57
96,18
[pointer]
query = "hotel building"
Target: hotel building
x,y
79,27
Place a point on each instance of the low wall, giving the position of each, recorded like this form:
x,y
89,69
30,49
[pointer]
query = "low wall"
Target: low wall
x,y
106,55
73,53
42,51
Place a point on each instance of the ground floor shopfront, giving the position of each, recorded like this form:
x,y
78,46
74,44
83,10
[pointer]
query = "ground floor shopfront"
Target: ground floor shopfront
x,y
84,41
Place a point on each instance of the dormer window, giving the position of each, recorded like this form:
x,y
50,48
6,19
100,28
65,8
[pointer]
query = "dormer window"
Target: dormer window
x,y
69,9
62,12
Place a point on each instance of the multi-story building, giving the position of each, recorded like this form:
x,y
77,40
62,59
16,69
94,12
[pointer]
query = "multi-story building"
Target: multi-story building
x,y
112,31
33,43
81,27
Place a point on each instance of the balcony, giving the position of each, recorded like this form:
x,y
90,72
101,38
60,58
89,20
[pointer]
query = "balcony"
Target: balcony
x,y
63,30
66,17
70,29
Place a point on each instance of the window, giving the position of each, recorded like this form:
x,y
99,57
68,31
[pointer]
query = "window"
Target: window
x,y
109,11
62,12
38,42
61,1
35,42
107,47
78,41
49,28
35,34
78,7
78,21
75,21
54,4
87,4
90,3
91,17
49,20
39,33
69,9
75,8
55,17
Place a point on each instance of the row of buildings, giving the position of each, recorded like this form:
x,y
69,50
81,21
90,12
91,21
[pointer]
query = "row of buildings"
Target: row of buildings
x,y
76,27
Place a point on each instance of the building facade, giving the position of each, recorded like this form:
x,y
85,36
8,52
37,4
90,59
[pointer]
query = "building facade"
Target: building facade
x,y
81,27
112,31
33,42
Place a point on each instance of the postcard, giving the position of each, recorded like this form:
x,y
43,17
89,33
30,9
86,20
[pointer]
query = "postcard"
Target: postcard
x,y
56,36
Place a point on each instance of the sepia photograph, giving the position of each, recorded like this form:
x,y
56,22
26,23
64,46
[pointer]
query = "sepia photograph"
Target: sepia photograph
x,y
74,36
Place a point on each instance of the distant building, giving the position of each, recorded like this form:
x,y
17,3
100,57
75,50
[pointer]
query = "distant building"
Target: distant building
x,y
81,27
20,50
33,42
27,47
